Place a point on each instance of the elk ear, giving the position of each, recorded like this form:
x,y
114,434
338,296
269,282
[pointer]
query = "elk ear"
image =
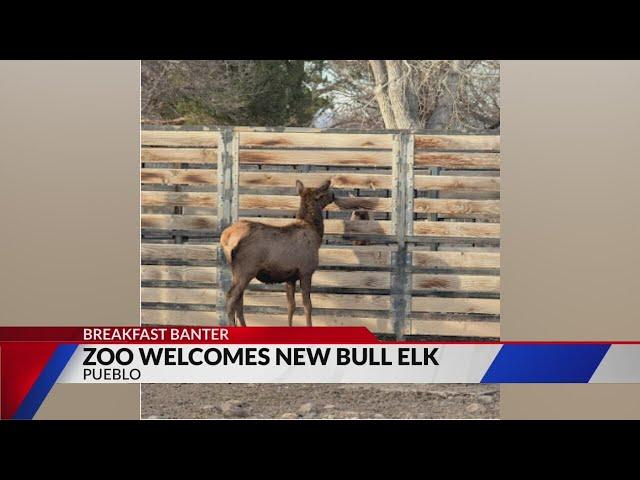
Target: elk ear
x,y
325,186
299,187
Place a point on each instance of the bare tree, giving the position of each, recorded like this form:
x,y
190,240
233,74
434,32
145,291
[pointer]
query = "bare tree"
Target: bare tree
x,y
396,93
462,95
455,95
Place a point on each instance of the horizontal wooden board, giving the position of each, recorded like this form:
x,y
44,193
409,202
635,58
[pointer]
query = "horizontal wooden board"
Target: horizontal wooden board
x,y
292,203
180,295
179,155
316,157
151,251
433,259
178,222
455,328
453,247
456,229
338,179
468,195
450,182
179,273
456,305
184,199
182,138
324,278
458,142
320,300
457,160
338,227
178,317
456,283
168,176
370,256
377,325
314,140
457,207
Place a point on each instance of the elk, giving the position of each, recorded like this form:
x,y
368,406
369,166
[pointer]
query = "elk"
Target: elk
x,y
277,254
358,215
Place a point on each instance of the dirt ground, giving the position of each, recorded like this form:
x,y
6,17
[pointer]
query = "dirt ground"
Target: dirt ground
x,y
328,401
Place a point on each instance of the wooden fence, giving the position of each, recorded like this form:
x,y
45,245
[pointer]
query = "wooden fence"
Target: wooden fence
x,y
431,262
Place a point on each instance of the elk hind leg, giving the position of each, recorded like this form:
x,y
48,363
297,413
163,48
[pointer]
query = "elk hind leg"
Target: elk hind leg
x,y
234,296
240,309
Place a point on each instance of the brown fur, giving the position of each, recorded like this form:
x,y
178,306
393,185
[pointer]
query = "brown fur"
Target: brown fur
x,y
360,215
277,254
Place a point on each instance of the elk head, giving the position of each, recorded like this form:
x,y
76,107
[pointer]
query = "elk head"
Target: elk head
x,y
315,198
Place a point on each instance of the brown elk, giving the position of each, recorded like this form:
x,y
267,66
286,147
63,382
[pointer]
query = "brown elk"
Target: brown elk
x,y
277,254
359,215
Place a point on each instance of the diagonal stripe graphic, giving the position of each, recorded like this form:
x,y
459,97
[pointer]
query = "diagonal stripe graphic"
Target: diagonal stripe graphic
x,y
545,363
44,382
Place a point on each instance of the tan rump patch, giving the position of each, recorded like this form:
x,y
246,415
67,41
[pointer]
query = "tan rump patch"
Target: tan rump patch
x,y
232,235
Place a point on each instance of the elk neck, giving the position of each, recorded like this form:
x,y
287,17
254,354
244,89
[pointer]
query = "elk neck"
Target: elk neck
x,y
311,213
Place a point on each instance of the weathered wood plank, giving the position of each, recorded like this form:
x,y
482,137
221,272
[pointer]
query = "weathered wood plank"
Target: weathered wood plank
x,y
469,259
324,278
468,195
152,251
179,295
450,182
313,140
458,142
457,207
378,325
370,256
458,160
316,157
456,229
455,328
171,176
292,203
178,317
319,300
166,138
178,222
179,273
178,155
337,227
184,199
456,305
338,179
456,283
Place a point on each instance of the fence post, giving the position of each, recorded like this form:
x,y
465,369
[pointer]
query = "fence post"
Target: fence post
x,y
228,168
402,171
433,194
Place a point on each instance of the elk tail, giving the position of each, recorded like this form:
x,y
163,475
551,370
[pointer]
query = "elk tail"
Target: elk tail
x,y
231,238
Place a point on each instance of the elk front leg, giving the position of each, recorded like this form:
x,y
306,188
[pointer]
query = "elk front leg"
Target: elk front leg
x,y
305,286
291,301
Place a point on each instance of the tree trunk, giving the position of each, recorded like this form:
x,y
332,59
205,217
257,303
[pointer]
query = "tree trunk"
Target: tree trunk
x,y
379,70
402,95
442,117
